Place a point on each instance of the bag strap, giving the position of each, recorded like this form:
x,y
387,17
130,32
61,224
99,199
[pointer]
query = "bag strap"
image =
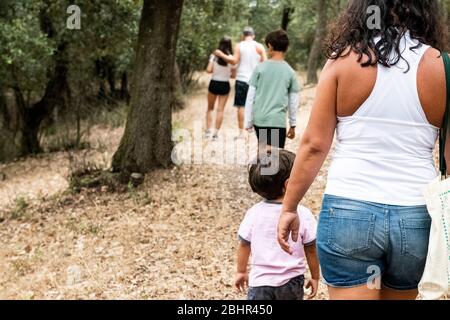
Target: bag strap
x,y
445,124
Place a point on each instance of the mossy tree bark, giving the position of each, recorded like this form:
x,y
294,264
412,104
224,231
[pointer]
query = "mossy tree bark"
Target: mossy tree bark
x,y
146,143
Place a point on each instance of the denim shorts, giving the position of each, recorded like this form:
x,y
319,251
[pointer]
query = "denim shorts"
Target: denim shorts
x,y
360,241
293,290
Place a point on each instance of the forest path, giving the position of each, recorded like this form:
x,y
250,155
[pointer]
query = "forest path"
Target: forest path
x,y
174,237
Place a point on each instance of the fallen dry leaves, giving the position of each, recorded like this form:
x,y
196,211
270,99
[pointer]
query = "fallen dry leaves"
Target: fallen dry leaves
x,y
174,237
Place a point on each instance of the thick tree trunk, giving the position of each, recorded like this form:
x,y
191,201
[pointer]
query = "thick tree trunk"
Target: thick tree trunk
x,y
146,143
20,123
315,54
57,95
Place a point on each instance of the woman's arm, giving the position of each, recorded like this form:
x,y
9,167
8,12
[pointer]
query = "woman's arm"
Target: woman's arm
x,y
210,67
314,147
233,73
231,59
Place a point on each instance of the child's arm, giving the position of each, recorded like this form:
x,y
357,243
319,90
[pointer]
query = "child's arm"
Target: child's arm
x,y
293,106
241,278
248,113
313,263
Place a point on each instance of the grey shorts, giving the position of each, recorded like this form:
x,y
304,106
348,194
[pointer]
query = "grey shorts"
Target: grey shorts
x,y
293,290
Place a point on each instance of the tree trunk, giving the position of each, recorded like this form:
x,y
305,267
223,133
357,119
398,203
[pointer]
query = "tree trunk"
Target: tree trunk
x,y
287,12
124,93
315,54
57,95
19,122
177,89
10,131
146,143
111,78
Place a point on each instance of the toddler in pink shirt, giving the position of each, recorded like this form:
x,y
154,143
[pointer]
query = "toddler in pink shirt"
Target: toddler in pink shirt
x,y
275,275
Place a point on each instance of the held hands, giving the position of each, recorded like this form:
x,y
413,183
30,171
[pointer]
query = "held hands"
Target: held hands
x,y
291,133
314,285
241,282
289,223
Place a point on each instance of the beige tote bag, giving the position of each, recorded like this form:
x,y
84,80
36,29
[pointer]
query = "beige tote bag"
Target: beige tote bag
x,y
435,282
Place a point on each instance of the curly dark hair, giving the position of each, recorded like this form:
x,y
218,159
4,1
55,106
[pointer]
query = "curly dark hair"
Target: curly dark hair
x,y
423,19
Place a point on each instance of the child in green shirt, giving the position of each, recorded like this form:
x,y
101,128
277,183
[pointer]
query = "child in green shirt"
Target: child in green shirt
x,y
273,92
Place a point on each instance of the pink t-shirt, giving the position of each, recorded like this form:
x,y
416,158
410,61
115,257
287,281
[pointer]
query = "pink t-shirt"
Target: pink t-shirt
x,y
270,265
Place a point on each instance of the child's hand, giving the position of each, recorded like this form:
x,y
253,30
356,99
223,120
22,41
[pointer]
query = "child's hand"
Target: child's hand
x,y
291,133
241,282
314,285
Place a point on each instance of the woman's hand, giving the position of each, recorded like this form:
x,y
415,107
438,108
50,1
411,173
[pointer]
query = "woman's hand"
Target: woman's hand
x,y
288,224
218,53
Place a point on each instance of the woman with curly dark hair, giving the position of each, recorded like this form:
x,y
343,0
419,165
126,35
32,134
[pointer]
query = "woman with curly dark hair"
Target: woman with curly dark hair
x,y
383,92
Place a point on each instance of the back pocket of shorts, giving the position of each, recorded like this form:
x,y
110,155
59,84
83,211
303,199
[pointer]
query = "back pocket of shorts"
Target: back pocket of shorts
x,y
350,231
415,237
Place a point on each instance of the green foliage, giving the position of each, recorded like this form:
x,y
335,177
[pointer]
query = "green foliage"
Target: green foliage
x,y
205,22
109,29
25,51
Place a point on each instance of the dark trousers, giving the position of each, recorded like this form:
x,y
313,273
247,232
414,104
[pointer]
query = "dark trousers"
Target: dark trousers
x,y
275,137
293,290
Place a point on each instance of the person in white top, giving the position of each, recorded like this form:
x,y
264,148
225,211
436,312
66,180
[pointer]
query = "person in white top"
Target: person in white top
x,y
383,92
247,55
219,87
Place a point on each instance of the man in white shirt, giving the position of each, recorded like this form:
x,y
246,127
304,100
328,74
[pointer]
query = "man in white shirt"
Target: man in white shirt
x,y
247,55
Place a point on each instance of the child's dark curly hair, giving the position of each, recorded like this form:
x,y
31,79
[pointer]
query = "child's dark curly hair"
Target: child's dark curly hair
x,y
270,184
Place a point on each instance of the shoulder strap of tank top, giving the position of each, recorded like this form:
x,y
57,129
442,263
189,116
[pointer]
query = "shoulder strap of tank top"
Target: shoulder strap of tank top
x,y
445,125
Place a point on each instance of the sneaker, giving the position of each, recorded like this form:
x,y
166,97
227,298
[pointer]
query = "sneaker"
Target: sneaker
x,y
215,137
208,134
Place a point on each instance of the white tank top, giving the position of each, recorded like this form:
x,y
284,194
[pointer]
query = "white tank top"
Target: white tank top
x,y
384,152
220,73
248,61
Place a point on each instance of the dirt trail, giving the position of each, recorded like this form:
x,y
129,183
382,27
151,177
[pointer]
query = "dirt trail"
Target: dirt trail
x,y
172,238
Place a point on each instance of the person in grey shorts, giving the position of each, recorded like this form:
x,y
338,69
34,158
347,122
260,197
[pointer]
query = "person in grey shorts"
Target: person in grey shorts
x,y
247,55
